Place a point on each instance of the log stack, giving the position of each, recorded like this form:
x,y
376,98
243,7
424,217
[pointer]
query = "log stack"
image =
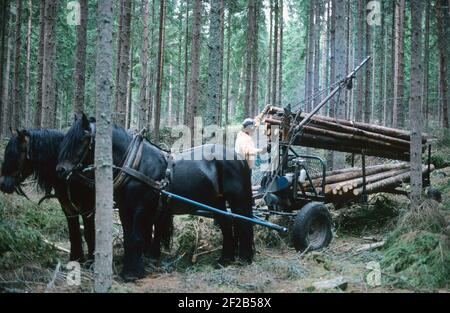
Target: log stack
x,y
348,183
346,136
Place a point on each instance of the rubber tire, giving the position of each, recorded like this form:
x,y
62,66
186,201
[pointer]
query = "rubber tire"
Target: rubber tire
x,y
302,224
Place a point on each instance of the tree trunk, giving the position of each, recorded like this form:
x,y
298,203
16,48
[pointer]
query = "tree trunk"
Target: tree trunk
x,y
415,102
215,52
316,51
180,45
360,76
399,78
340,50
249,50
269,56
80,59
160,73
6,120
170,98
280,56
3,51
103,151
227,92
151,73
255,61
368,93
310,57
129,93
124,64
275,53
426,58
26,121
186,67
17,107
442,25
144,68
195,69
40,65
48,80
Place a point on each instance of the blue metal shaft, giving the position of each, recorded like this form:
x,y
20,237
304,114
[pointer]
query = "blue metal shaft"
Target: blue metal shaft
x,y
253,220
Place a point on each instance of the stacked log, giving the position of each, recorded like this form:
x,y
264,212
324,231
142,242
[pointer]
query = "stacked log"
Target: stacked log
x,y
379,178
346,136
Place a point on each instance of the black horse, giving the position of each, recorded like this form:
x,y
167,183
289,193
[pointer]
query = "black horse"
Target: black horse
x,y
211,181
35,152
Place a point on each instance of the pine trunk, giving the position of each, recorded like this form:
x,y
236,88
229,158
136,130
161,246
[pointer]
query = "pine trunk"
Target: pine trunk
x,y
399,78
195,69
26,121
442,25
360,75
103,152
275,53
80,62
214,75
17,107
160,73
249,51
144,68
48,78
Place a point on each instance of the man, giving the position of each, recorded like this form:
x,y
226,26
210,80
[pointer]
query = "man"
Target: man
x,y
244,145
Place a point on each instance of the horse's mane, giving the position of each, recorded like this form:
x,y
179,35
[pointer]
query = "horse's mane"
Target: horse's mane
x,y
44,147
72,137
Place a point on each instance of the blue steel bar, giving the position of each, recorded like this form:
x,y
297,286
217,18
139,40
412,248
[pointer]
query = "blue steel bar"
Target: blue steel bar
x,y
226,213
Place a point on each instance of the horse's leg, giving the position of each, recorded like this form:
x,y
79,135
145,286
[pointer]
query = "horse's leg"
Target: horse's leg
x,y
243,231
89,234
76,248
228,243
133,262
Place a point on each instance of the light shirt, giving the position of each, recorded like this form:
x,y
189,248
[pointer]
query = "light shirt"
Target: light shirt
x,y
245,147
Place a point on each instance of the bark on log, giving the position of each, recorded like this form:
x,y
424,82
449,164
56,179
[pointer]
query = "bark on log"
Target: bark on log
x,y
388,182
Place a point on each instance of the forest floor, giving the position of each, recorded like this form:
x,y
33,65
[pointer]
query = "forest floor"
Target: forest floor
x,y
414,258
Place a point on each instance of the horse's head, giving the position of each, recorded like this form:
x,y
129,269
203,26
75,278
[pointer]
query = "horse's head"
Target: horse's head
x,y
77,148
16,166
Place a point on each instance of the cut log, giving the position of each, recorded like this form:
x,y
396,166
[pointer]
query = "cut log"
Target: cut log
x,y
389,182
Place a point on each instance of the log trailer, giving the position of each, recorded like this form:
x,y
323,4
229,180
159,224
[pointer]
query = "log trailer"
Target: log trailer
x,y
299,186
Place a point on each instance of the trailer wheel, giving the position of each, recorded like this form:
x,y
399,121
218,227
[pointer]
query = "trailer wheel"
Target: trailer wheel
x,y
312,227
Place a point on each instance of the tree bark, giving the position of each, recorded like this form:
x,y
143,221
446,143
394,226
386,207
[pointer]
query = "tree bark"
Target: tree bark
x,y
275,53
80,59
360,76
17,107
280,56
269,56
48,81
368,68
228,89
103,151
310,57
27,117
316,51
186,67
255,61
144,67
442,25
160,73
340,50
214,74
124,64
40,65
249,50
399,78
195,67
426,57
415,102
3,47
6,120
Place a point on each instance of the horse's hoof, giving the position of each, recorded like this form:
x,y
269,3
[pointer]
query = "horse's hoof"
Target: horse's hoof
x,y
243,262
132,276
223,262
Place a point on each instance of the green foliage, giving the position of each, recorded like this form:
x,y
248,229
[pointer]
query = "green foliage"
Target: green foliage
x,y
22,229
418,252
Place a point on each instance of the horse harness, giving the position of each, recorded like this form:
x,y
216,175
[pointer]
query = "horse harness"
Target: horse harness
x,y
128,170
